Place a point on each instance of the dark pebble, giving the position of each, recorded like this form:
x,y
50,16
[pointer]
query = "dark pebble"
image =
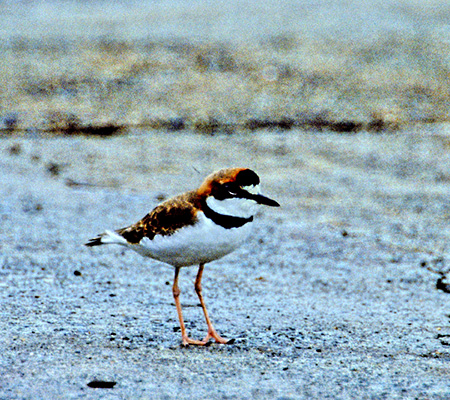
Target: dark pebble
x,y
54,169
101,384
15,149
443,284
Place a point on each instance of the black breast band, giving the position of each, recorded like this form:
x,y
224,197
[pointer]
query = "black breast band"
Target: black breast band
x,y
225,221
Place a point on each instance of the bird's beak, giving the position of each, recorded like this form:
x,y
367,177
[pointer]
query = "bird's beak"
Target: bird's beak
x,y
260,199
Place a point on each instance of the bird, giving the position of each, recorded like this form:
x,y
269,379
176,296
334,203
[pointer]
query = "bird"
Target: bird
x,y
195,228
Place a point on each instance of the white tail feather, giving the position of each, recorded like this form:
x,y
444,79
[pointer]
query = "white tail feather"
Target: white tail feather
x,y
111,237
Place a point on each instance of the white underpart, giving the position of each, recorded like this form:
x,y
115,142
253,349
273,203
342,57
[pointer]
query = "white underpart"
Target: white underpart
x,y
236,207
200,243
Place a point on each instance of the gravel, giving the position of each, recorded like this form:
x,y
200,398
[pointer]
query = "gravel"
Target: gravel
x,y
334,296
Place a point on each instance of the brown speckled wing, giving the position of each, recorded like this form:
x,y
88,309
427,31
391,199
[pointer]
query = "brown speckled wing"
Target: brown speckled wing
x,y
165,219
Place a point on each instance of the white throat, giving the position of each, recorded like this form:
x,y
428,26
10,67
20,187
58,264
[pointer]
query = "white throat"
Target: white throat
x,y
235,207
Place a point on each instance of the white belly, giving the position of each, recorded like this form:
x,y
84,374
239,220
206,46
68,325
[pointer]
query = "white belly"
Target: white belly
x,y
200,243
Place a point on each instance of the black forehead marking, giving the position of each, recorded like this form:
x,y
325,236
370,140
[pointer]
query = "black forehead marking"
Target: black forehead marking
x,y
247,177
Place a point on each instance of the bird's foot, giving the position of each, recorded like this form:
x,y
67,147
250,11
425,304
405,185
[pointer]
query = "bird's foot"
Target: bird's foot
x,y
212,334
186,341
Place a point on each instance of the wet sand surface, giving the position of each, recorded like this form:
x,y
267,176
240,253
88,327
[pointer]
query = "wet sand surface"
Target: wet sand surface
x,y
331,297
343,111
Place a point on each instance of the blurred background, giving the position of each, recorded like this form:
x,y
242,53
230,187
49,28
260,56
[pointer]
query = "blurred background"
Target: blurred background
x,y
101,66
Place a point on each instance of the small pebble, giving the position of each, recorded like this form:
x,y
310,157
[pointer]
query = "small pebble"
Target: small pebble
x,y
101,384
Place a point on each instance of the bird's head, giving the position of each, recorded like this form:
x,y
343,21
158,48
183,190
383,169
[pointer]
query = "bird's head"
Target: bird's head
x,y
234,192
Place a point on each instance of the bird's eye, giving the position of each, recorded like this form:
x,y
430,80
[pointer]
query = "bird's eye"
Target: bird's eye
x,y
230,188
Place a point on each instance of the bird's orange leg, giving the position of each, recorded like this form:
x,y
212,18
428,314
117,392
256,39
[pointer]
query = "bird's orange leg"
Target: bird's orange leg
x,y
176,295
211,331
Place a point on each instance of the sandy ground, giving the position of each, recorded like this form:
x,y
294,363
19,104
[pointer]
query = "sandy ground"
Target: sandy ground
x,y
331,297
